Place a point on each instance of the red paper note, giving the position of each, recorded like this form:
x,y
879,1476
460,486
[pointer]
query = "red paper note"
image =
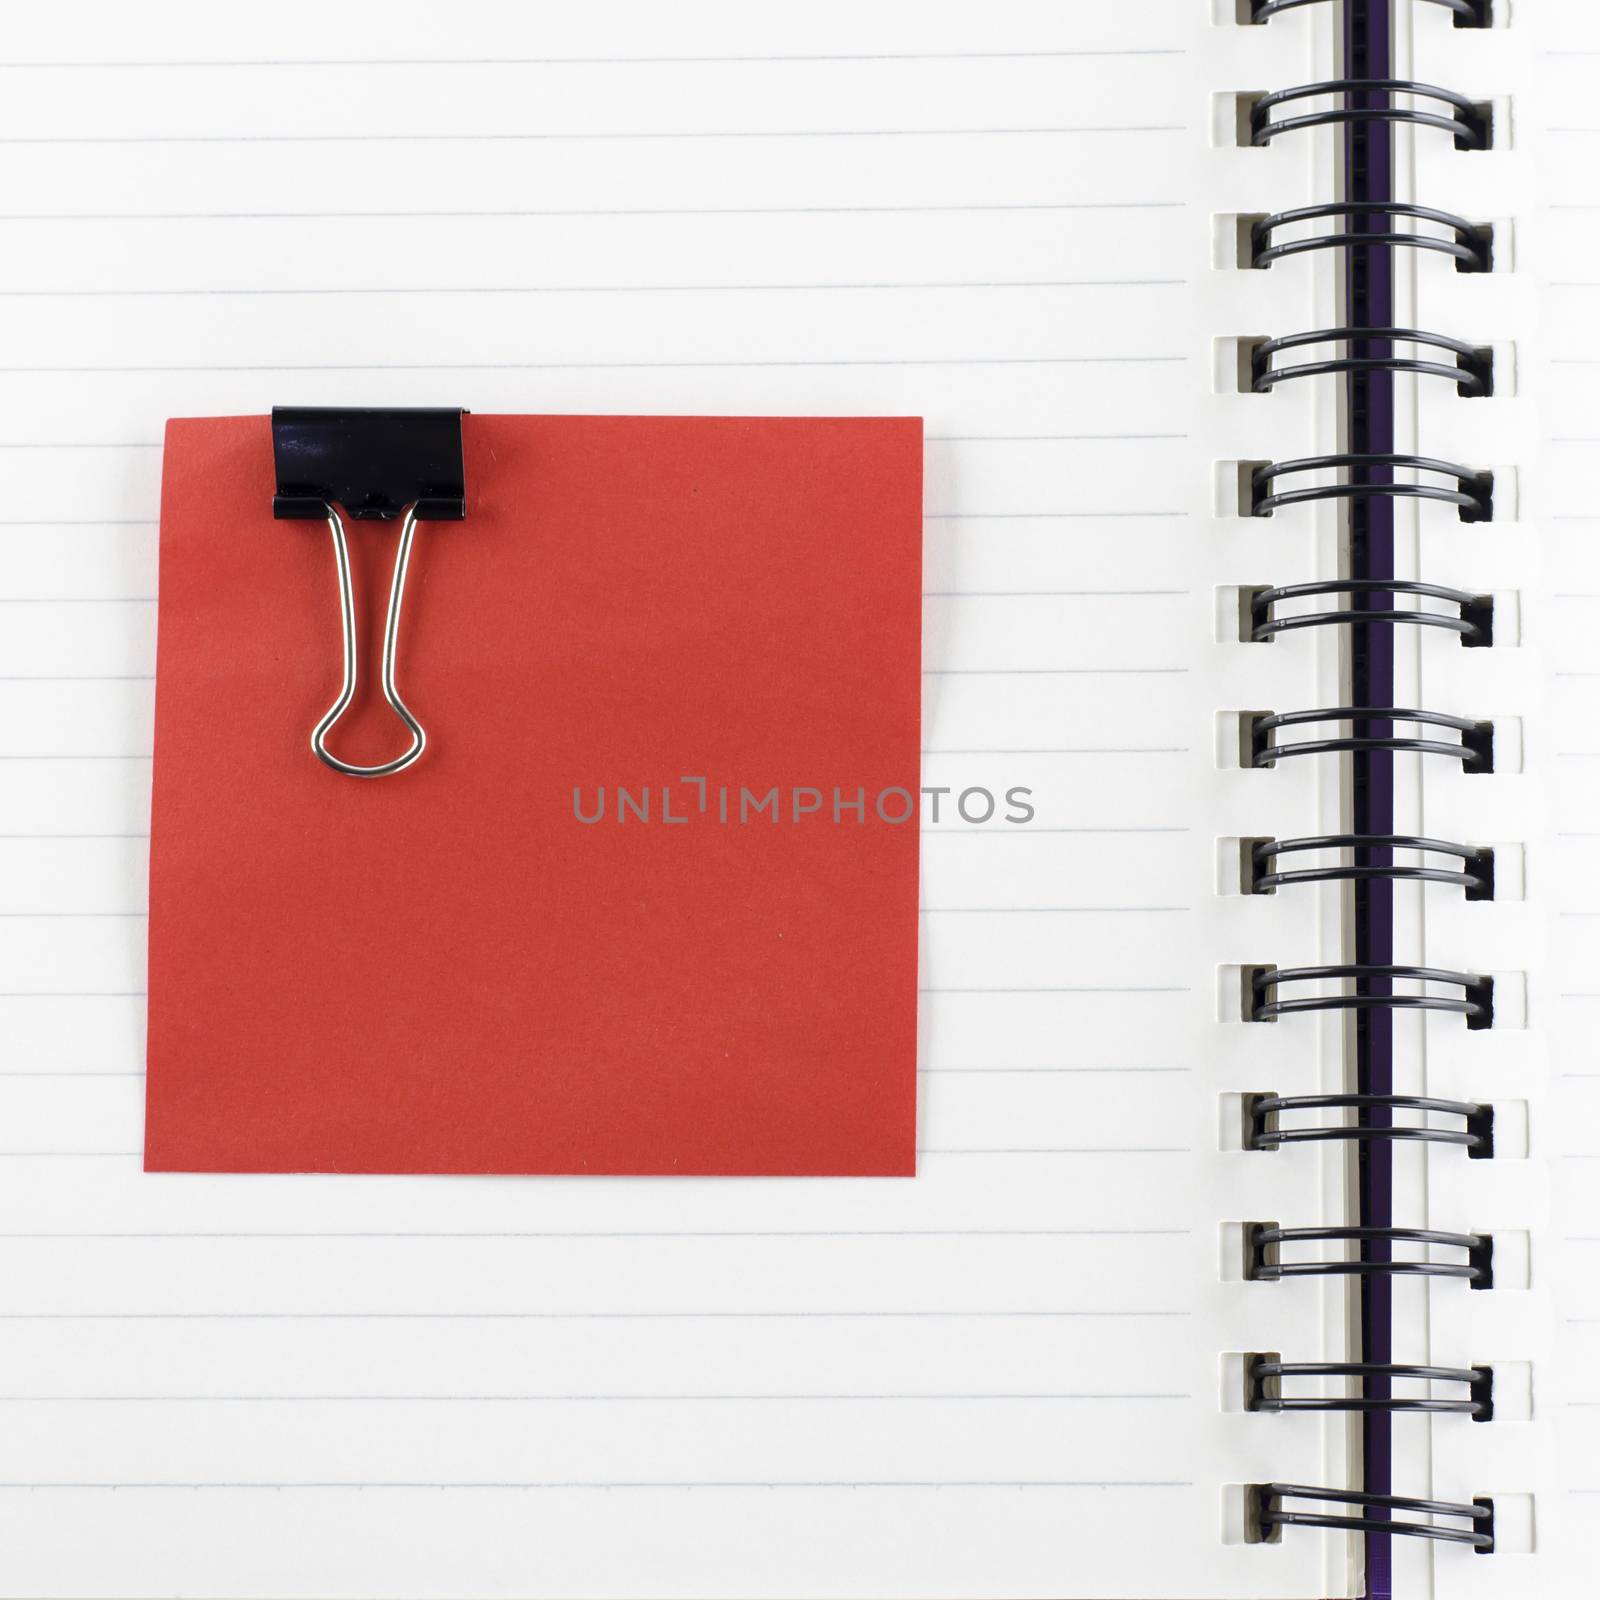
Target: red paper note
x,y
447,970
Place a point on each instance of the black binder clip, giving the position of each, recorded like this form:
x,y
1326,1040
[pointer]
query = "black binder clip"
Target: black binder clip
x,y
333,462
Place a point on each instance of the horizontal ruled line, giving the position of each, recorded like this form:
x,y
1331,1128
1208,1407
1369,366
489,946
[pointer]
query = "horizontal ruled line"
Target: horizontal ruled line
x,y
589,366
1050,438
1048,516
1074,750
1099,988
989,1070
1047,594
930,438
599,136
928,672
929,516
928,594
1018,831
389,290
628,1233
431,63
565,1316
578,213
922,1150
611,1484
1063,1150
927,911
42,836
66,1074
1139,750
550,1399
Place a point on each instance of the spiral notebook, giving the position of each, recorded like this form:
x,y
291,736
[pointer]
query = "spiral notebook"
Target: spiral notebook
x,y
1251,1246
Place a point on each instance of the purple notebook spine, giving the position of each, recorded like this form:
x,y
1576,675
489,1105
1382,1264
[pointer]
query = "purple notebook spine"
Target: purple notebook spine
x,y
1369,401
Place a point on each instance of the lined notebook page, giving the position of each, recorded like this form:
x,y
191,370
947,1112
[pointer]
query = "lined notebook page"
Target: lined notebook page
x,y
1540,1327
1016,1373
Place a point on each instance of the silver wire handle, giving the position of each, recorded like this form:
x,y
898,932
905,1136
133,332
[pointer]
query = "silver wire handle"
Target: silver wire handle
x,y
391,637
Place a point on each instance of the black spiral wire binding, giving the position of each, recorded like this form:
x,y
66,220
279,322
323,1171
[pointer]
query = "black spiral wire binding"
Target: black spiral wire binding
x,y
1472,374
1261,876
1473,622
1468,13
1474,750
1364,349
1265,1377
1268,1517
1470,244
1469,123
1473,497
1263,1003
1265,1243
1263,1114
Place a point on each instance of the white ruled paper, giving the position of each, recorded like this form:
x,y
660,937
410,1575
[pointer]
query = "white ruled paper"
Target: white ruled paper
x,y
1005,1376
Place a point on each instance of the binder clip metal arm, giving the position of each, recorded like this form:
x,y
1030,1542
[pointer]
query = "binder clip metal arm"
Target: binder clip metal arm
x,y
368,464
